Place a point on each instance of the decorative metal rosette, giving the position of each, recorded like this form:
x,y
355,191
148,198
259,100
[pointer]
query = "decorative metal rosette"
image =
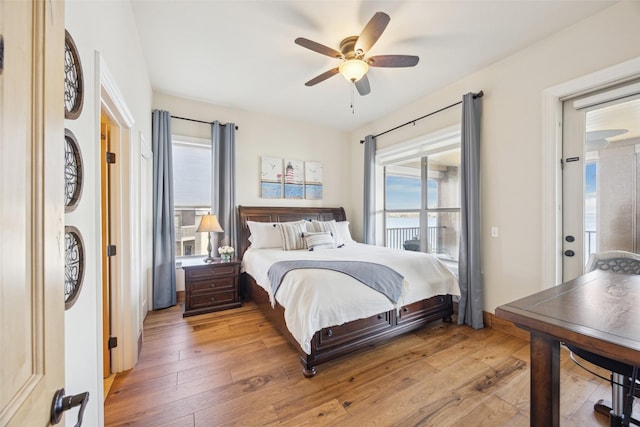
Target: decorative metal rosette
x,y
74,260
73,171
73,79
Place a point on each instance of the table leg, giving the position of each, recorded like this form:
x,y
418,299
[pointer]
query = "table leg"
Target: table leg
x,y
545,381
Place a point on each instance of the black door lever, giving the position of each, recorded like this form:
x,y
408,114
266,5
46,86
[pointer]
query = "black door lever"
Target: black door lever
x,y
63,403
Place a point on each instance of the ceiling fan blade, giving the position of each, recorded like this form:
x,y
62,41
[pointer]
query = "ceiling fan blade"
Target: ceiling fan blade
x,y
322,77
393,61
363,86
372,32
317,47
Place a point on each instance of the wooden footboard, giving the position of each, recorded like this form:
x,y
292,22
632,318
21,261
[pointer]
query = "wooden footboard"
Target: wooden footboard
x,y
337,341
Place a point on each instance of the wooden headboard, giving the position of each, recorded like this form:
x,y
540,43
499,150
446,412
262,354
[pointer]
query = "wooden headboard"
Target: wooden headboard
x,y
280,214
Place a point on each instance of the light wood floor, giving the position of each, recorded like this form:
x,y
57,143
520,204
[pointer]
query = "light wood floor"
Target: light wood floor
x,y
234,368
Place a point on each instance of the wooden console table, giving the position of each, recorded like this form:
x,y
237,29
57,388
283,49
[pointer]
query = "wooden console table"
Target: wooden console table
x,y
597,311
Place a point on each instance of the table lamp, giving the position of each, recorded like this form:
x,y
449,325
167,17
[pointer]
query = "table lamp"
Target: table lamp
x,y
209,224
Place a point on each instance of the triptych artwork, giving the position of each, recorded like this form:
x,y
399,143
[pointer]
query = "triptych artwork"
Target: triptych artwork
x,y
290,179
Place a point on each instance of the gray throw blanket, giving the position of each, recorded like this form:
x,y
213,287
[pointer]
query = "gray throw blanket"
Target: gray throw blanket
x,y
378,277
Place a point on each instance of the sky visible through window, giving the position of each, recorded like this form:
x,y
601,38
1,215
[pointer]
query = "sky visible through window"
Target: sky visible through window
x,y
191,176
403,192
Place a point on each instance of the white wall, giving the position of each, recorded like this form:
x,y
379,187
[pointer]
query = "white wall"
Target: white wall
x,y
511,148
106,27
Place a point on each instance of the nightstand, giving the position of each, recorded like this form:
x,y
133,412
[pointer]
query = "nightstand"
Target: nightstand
x,y
210,287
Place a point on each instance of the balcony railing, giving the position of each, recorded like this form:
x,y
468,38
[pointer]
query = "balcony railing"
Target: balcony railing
x,y
409,238
590,246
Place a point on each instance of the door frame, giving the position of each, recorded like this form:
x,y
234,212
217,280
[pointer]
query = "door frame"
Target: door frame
x,y
124,318
552,153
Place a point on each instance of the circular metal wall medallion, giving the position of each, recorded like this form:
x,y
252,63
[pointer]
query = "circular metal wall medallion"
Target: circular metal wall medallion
x,y
73,171
73,79
74,259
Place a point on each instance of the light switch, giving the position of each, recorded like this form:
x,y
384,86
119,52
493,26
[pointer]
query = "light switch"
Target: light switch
x,y
494,231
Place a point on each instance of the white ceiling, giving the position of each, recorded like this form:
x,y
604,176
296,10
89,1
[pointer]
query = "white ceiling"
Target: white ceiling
x,y
241,54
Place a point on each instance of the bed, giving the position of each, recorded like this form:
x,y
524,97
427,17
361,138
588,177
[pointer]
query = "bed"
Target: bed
x,y
372,322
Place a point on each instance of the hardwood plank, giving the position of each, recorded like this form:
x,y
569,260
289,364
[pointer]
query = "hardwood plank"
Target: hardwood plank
x,y
234,368
329,413
491,412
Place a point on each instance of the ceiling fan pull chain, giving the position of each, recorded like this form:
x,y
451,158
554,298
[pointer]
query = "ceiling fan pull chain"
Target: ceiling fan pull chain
x,y
353,109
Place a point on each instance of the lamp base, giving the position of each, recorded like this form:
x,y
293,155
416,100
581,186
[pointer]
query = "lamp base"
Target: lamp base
x,y
209,259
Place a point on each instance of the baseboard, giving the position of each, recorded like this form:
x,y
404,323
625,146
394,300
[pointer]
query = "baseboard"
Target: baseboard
x,y
494,322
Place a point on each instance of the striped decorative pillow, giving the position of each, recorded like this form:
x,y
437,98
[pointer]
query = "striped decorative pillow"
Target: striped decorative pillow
x,y
319,241
331,227
292,235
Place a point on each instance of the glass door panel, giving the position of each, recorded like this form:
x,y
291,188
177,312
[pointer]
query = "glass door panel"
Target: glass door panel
x,y
600,181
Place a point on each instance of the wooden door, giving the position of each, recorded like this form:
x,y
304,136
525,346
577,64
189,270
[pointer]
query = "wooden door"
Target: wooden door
x,y
31,209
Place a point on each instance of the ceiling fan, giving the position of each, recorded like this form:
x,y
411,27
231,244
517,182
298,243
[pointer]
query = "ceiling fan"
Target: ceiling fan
x,y
353,50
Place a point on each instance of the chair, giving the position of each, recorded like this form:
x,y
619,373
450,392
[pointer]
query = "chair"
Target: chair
x,y
624,378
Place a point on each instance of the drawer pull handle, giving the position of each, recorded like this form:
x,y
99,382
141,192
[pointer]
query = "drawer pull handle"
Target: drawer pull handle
x,y
330,333
213,285
405,309
213,299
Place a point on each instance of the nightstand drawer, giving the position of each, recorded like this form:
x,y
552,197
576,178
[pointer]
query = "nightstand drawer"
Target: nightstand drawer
x,y
211,287
203,273
219,284
211,299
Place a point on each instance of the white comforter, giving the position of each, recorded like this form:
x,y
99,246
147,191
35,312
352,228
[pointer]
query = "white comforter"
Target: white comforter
x,y
314,299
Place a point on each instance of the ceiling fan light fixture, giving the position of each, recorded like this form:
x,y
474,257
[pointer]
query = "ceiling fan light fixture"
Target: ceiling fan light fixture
x,y
353,69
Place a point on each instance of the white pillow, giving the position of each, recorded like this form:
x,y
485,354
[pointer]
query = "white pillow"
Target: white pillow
x,y
319,241
264,235
343,233
339,230
291,235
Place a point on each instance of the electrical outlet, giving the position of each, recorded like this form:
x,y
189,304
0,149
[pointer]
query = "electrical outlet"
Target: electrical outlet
x,y
494,231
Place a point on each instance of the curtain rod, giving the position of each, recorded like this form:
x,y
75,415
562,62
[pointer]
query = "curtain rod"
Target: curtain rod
x,y
476,95
197,121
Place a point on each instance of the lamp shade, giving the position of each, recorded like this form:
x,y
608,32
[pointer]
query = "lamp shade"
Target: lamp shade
x,y
209,223
353,69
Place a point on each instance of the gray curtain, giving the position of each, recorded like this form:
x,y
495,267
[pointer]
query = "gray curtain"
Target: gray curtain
x,y
164,250
223,187
470,277
369,209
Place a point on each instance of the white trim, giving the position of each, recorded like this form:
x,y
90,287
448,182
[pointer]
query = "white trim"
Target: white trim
x,y
551,154
145,149
610,95
125,317
191,141
430,143
110,88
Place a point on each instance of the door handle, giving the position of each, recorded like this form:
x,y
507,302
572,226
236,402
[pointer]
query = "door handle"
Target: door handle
x,y
569,252
570,239
63,403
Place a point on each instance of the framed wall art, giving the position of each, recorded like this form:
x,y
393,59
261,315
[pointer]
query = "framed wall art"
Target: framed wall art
x,y
313,180
293,179
271,178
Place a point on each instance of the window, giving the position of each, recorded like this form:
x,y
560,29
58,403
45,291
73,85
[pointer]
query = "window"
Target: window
x,y
422,195
191,193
